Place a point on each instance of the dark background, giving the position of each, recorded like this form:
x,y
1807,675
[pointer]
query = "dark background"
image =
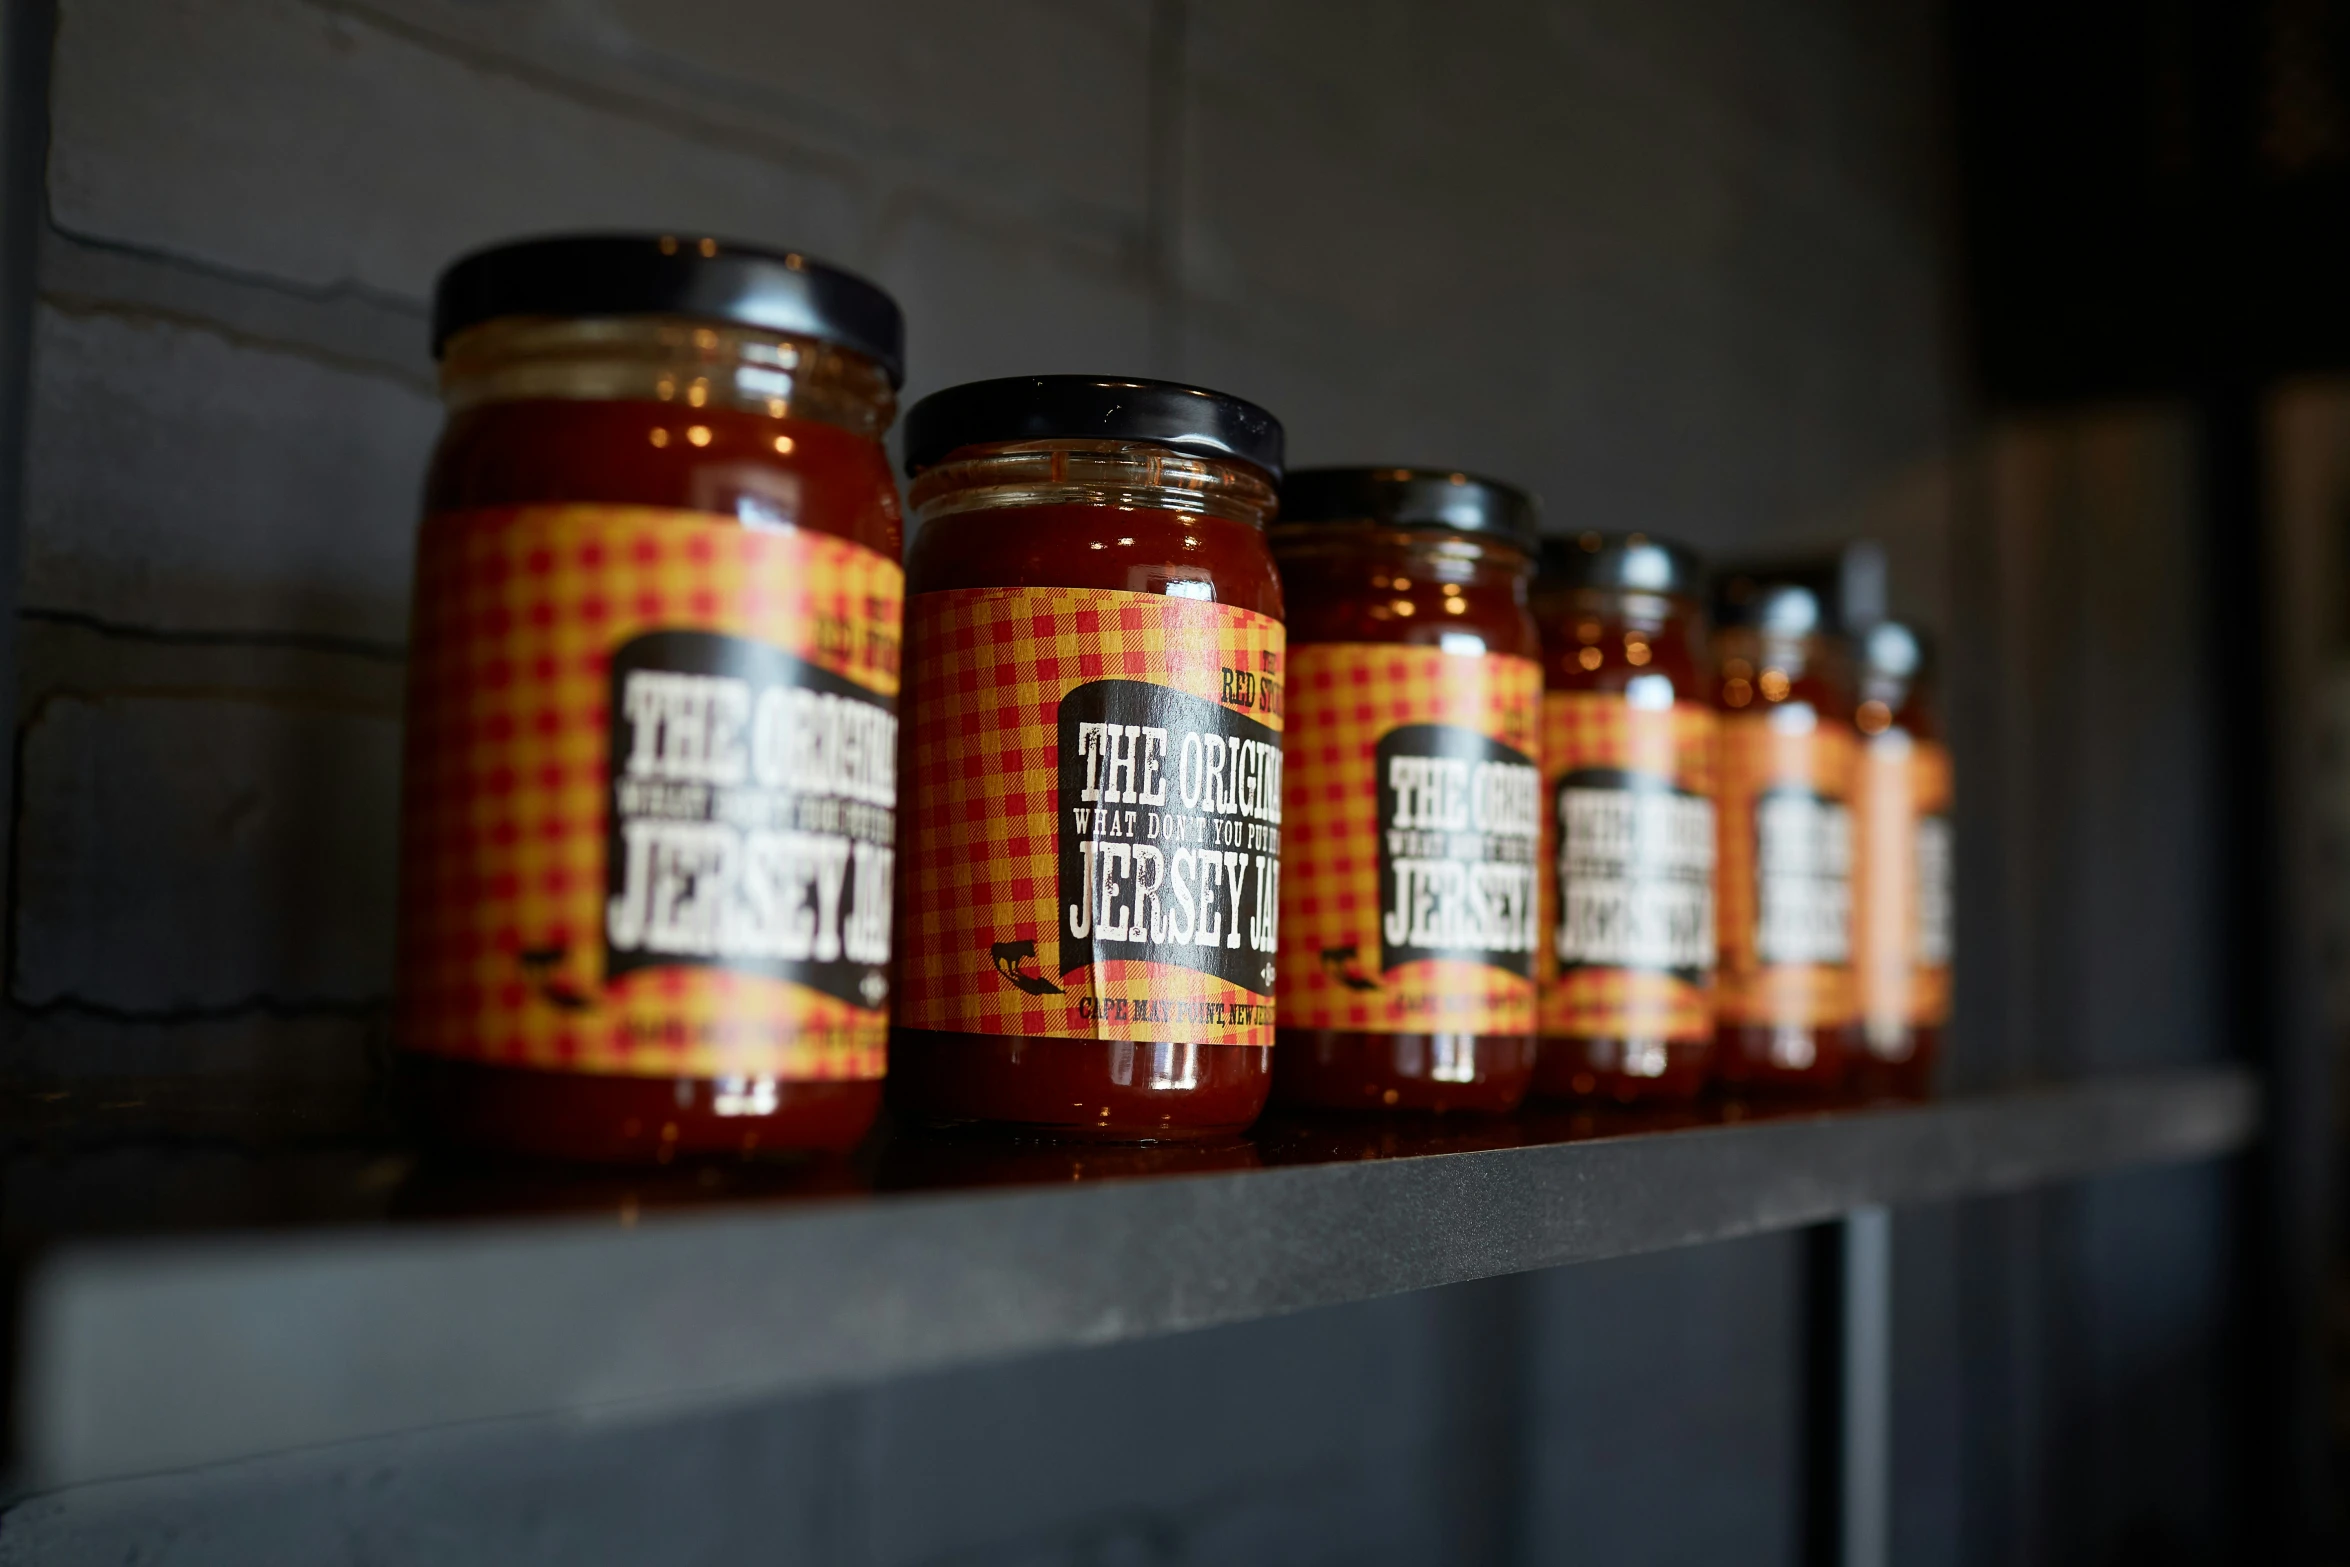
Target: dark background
x,y
2042,296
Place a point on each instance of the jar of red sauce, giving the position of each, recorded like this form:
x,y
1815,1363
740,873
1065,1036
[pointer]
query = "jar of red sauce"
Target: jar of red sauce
x,y
1629,831
1787,1004
1089,903
650,788
1902,915
1413,800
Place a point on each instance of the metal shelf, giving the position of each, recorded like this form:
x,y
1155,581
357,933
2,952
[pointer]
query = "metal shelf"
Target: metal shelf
x,y
138,1353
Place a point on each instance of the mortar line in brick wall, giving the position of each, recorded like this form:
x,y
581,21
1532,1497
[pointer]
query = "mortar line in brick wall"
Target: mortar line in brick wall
x,y
344,292
1086,230
497,61
304,641
939,175
260,1003
86,305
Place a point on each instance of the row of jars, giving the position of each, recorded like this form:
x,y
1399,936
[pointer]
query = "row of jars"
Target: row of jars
x,y
1149,783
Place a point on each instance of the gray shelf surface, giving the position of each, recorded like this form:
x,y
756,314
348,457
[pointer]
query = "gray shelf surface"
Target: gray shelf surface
x,y
141,1354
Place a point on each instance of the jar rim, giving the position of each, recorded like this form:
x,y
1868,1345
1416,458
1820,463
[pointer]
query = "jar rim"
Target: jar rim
x,y
1289,534
665,359
1116,474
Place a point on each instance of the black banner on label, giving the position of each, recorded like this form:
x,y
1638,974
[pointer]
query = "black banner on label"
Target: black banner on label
x,y
1934,930
1459,816
1635,874
753,815
1170,833
1803,878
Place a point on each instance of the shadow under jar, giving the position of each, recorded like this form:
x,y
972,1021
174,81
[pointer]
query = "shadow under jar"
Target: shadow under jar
x,y
1089,876
1413,815
1629,826
649,788
1786,1002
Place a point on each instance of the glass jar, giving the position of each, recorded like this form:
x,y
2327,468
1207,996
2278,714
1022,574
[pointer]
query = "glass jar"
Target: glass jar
x,y
1090,886
650,783
1902,914
1786,1002
1415,693
1627,962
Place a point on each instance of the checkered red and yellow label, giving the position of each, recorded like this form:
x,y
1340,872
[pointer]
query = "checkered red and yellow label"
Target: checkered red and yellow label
x,y
1901,800
1584,730
518,613
1764,752
1343,698
981,919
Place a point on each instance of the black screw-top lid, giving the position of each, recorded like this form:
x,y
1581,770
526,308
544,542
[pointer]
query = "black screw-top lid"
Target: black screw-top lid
x,y
1637,562
1412,498
1091,408
672,275
1785,603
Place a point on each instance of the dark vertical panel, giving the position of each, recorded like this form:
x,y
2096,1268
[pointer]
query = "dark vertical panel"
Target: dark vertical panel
x,y
1928,1505
1826,1332
1667,1415
1477,1472
1866,1461
2148,1471
2089,722
2002,1411
2234,539
2307,445
26,28
2158,203
1848,1268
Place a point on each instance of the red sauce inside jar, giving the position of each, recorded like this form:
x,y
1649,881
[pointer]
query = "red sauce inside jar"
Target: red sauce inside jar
x,y
1014,516
1398,578
1071,1087
1785,694
1600,635
578,451
1902,913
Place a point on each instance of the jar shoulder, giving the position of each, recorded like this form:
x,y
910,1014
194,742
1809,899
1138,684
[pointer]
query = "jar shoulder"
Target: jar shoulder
x,y
1116,549
753,469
